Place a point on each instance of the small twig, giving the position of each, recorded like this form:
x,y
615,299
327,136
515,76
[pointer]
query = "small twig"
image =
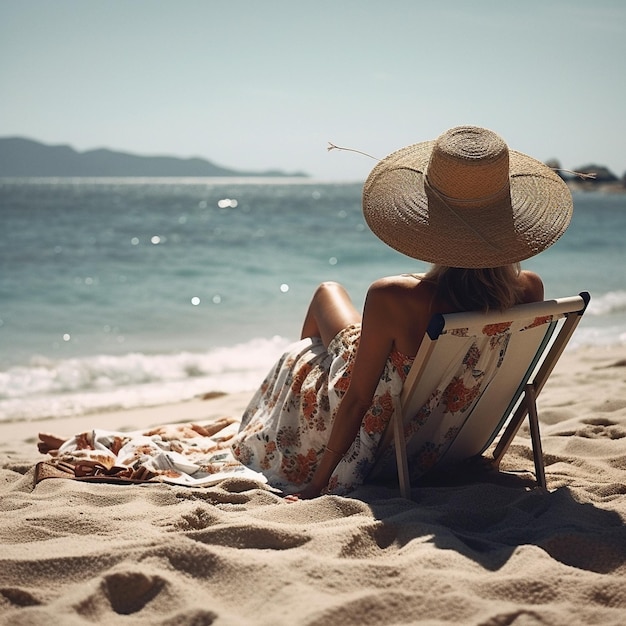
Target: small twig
x,y
332,146
582,175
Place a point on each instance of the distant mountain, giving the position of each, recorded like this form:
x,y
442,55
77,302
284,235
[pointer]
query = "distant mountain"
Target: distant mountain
x,y
21,157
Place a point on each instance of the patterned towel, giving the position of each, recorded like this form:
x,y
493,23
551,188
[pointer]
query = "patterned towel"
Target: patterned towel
x,y
195,455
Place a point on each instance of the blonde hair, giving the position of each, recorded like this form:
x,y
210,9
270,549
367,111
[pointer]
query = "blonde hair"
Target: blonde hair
x,y
477,289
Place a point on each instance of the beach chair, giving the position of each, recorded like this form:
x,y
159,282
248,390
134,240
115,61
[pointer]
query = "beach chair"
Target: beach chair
x,y
477,375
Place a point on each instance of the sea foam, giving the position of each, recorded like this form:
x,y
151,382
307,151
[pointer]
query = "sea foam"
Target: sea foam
x,y
608,303
47,388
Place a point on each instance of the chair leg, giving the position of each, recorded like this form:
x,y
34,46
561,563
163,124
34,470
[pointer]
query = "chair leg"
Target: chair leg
x,y
509,434
401,460
531,403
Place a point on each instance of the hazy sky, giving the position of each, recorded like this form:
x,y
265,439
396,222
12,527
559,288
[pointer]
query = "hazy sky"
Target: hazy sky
x,y
258,84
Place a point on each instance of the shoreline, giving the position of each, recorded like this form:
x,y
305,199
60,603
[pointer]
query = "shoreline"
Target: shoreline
x,y
18,437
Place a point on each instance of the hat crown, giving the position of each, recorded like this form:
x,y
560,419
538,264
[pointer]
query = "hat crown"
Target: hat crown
x,y
469,164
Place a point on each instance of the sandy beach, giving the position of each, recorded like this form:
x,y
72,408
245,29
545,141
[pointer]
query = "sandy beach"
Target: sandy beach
x,y
491,550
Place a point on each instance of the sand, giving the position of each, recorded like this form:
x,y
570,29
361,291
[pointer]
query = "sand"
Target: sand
x,y
491,550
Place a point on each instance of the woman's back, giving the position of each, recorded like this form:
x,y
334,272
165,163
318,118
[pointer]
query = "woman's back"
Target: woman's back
x,y
411,300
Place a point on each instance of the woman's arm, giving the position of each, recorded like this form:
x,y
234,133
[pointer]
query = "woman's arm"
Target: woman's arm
x,y
374,347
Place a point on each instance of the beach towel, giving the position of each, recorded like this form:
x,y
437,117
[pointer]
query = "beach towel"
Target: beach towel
x,y
194,455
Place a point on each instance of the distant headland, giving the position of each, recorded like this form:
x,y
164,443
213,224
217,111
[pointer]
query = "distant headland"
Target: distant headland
x,y
26,158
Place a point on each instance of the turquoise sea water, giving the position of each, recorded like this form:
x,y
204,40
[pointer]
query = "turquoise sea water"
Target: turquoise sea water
x,y
121,293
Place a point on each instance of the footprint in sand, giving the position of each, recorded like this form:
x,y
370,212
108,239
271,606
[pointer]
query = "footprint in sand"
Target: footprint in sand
x,y
18,597
601,428
198,519
129,592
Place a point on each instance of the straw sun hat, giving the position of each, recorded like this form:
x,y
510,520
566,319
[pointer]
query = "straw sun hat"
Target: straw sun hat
x,y
466,200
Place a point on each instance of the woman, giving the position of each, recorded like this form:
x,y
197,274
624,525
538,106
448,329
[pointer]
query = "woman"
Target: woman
x,y
463,202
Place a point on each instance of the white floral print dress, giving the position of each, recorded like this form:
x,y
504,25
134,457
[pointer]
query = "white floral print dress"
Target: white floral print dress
x,y
288,421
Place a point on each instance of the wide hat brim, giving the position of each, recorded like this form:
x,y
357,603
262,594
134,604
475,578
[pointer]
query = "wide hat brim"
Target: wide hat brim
x,y
401,209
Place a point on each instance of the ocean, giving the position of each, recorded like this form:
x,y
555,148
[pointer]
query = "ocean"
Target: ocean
x,y
120,293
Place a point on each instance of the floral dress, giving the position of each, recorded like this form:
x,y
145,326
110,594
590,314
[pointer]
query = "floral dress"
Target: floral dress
x,y
288,421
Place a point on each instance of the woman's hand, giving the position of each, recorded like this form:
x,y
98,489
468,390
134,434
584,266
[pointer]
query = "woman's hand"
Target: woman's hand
x,y
308,493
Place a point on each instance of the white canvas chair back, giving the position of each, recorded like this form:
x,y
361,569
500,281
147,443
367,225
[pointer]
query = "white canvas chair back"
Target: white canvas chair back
x,y
475,374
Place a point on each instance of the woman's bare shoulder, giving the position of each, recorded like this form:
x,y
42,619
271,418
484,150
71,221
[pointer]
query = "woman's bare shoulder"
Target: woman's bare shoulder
x,y
398,281
401,307
532,286
403,295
